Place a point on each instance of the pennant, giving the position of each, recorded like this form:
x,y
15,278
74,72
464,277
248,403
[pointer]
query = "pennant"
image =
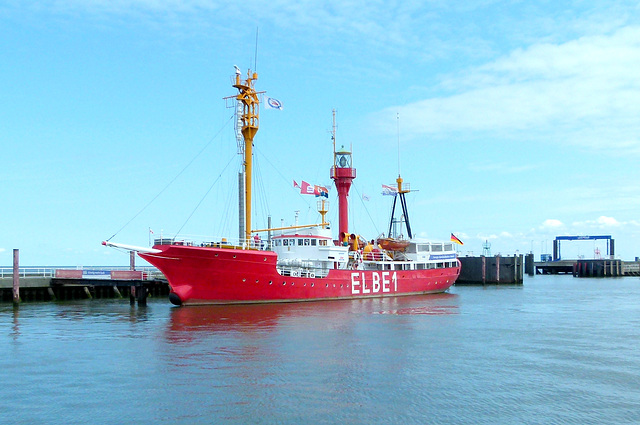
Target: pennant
x,y
389,190
365,197
295,184
271,103
456,240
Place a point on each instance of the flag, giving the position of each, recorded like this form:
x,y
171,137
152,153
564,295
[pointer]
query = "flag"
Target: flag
x,y
389,190
150,231
456,240
271,103
295,184
307,189
321,191
311,189
365,197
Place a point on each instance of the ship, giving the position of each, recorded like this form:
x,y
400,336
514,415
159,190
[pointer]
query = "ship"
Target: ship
x,y
302,262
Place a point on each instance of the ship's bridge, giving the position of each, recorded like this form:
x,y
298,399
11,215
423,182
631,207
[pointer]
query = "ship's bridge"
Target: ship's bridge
x,y
310,248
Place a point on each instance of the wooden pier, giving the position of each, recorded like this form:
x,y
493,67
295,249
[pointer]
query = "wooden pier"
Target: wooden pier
x,y
47,284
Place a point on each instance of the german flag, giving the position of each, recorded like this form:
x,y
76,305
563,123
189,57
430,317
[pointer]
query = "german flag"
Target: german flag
x,y
455,239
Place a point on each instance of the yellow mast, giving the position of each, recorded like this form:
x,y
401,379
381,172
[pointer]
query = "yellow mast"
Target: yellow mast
x,y
248,98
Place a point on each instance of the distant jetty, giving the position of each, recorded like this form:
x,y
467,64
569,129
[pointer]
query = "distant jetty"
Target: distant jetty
x,y
491,270
607,266
589,268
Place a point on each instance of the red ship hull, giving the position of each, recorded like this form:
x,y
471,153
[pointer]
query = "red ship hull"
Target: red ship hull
x,y
202,275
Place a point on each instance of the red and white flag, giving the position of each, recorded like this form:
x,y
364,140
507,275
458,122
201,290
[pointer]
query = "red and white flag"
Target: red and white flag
x,y
310,189
389,190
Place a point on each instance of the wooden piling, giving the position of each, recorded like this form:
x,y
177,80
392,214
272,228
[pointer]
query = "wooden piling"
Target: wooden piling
x,y
132,295
141,295
484,269
116,291
16,276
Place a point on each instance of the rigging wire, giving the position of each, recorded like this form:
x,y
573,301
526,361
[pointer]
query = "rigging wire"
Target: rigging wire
x,y
365,208
225,218
286,179
175,178
261,200
206,193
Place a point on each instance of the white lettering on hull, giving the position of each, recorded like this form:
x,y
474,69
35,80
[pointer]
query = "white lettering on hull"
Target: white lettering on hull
x,y
373,283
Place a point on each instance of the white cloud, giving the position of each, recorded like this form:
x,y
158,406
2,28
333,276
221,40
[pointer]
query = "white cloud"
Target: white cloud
x,y
486,237
601,222
582,92
607,221
551,223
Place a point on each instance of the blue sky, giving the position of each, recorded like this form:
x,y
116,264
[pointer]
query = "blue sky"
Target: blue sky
x,y
518,120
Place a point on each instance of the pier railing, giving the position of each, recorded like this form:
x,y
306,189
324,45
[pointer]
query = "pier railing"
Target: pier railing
x,y
48,271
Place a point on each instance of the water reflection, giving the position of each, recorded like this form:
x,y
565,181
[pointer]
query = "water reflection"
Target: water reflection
x,y
435,305
261,318
15,328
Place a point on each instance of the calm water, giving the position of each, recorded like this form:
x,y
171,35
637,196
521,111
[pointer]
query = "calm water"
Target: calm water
x,y
556,350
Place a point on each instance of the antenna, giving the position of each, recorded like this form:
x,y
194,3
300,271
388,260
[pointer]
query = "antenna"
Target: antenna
x,y
333,129
255,61
398,133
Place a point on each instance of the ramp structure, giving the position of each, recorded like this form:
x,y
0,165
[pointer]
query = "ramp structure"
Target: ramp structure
x,y
556,244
